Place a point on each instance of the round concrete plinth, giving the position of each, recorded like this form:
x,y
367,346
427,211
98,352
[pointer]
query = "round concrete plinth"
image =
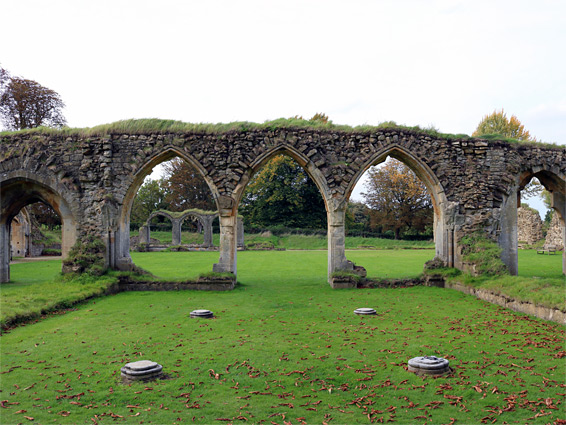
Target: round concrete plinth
x,y
365,311
143,370
203,314
429,365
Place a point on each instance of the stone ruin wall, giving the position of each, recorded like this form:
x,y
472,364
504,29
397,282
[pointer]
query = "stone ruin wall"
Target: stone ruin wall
x,y
529,226
555,232
474,180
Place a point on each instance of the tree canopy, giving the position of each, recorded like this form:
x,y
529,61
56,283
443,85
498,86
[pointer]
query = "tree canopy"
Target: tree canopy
x,y
185,187
498,123
150,198
27,104
398,200
282,193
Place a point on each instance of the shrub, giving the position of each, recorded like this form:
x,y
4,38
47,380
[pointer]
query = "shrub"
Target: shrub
x,y
484,253
86,256
51,251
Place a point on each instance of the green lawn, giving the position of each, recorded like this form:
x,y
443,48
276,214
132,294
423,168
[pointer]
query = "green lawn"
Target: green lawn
x,y
288,241
533,264
284,347
36,287
379,263
27,273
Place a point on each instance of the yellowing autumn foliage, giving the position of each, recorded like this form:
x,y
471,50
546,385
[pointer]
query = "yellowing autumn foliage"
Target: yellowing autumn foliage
x,y
498,123
398,200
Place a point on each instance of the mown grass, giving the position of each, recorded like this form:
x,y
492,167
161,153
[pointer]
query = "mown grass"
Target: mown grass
x,y
284,347
288,241
532,264
383,264
36,287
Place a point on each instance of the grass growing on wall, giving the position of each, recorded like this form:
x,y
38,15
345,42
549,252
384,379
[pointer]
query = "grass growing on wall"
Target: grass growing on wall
x,y
160,126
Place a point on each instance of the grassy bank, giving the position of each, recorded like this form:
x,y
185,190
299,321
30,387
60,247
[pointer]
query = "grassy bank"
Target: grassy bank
x,y
540,281
38,288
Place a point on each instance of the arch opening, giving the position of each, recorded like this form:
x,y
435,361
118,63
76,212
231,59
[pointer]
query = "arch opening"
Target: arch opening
x,y
18,197
180,183
419,213
530,242
282,203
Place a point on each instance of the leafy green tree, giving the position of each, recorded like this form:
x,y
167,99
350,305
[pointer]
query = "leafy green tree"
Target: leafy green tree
x,y
398,200
185,187
547,220
150,197
546,199
357,217
282,193
27,104
44,214
498,123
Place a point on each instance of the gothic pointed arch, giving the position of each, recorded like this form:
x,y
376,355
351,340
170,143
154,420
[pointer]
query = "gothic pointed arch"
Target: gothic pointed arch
x,y
123,260
21,188
303,160
419,167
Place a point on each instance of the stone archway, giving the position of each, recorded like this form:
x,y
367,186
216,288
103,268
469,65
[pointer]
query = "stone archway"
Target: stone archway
x,y
555,182
175,226
336,257
204,218
446,221
20,234
123,259
22,189
98,171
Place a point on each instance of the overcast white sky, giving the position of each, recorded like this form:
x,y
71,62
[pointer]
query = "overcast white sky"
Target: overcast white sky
x,y
438,63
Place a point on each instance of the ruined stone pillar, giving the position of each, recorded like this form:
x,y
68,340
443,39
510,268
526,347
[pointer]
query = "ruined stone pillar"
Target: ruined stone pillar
x,y
207,230
175,231
68,236
446,227
4,252
240,238
559,205
144,234
507,238
227,261
228,230
337,241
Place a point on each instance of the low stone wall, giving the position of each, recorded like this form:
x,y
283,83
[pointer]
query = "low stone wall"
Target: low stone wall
x,y
389,283
202,284
551,314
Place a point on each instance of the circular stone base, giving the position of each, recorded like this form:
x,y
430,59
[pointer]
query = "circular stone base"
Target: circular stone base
x,y
203,314
143,370
429,365
365,311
